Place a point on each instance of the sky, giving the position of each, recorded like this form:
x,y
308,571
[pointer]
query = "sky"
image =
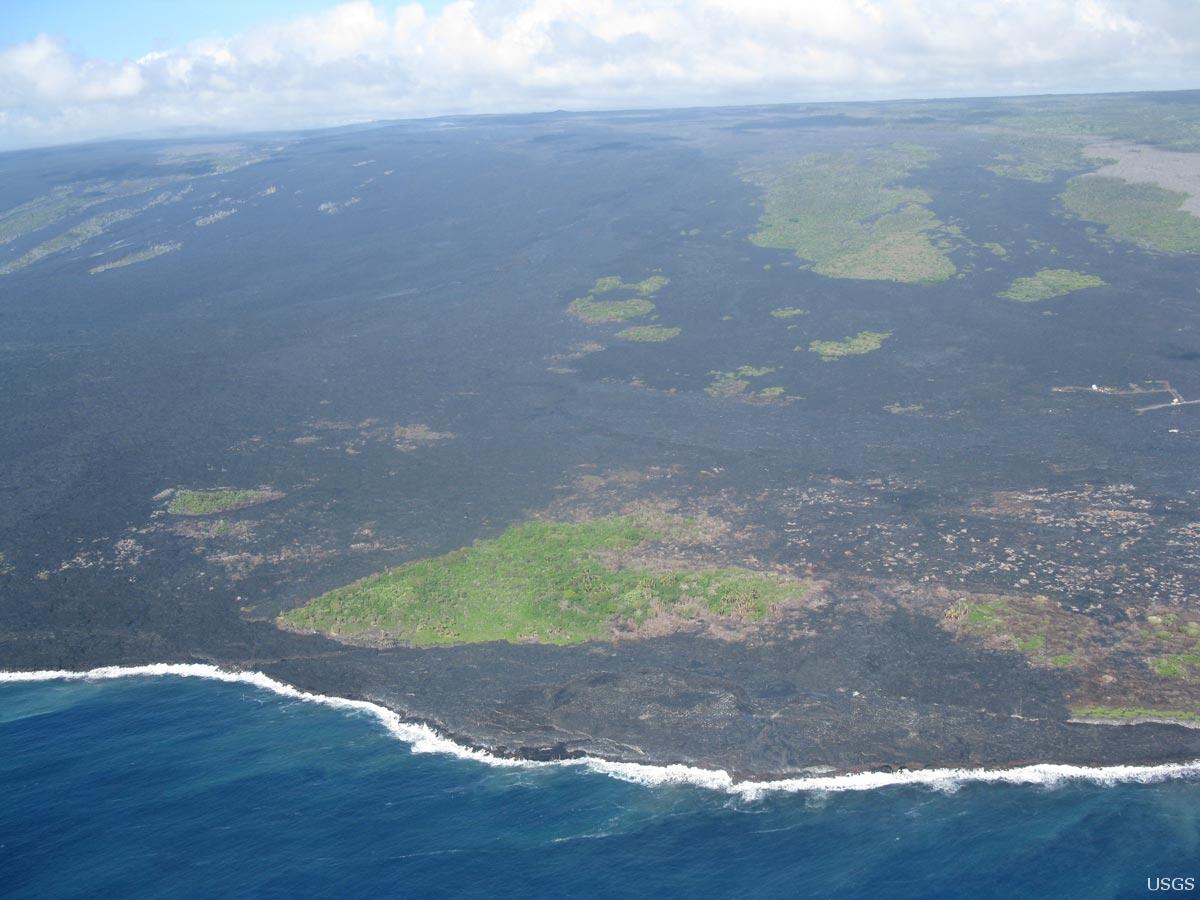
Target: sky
x,y
127,30
75,70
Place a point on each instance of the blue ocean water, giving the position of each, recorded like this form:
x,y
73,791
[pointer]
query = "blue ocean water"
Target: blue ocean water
x,y
180,787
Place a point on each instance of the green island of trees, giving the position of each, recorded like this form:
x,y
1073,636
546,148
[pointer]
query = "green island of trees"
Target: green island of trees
x,y
736,383
548,582
856,345
599,311
645,287
1145,214
203,503
848,215
1048,283
649,334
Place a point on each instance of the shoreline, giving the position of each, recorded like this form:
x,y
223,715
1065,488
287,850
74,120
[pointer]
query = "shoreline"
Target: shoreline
x,y
422,738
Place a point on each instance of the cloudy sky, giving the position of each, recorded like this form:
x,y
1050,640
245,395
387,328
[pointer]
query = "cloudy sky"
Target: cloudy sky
x,y
75,70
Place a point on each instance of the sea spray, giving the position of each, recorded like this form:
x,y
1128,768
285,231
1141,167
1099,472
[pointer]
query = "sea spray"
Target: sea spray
x,y
423,739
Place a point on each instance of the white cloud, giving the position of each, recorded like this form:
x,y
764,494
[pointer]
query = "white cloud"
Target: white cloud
x,y
364,60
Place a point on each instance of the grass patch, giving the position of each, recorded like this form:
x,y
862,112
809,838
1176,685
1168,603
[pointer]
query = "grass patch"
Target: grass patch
x,y
75,198
982,615
649,334
538,581
1170,645
41,212
1133,712
788,312
70,239
846,214
1031,644
599,311
1167,667
1177,665
1132,117
726,384
1033,157
996,249
1043,632
645,287
84,231
1145,214
737,384
1047,283
203,503
863,342
136,257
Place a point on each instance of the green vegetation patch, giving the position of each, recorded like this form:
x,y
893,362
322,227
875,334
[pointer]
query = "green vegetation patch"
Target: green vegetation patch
x,y
1168,667
41,212
847,215
726,384
69,239
982,615
1133,712
1037,157
1047,283
1169,641
1085,119
645,287
788,312
203,503
1168,625
549,582
1146,214
136,257
75,198
648,334
598,311
863,342
1034,626
1031,644
1184,666
83,232
69,200
737,384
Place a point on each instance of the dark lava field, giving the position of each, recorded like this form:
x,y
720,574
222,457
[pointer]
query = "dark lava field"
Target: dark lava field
x,y
862,363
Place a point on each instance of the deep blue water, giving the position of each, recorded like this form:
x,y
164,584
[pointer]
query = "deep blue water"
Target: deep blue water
x,y
186,788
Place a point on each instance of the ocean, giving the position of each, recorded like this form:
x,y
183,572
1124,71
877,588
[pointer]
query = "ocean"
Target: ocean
x,y
169,786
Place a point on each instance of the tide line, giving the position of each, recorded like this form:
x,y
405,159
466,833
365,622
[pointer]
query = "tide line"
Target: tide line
x,y
423,739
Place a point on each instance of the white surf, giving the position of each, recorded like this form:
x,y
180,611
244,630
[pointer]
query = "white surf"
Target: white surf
x,y
423,739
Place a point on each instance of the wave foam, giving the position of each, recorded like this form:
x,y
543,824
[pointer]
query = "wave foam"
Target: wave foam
x,y
423,739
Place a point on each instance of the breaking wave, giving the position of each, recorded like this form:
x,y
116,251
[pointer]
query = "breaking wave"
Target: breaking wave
x,y
423,739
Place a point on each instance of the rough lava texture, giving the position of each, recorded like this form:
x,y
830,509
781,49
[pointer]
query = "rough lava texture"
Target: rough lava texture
x,y
372,329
